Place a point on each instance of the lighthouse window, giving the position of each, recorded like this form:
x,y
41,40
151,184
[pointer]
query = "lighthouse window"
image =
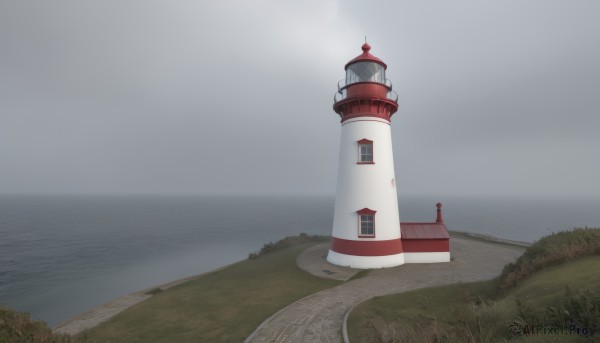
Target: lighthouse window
x,y
367,225
365,72
365,152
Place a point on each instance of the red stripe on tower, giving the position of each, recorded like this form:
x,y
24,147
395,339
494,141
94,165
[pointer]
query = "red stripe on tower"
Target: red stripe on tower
x,y
366,248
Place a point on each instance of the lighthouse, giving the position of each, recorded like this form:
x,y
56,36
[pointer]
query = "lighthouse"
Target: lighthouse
x,y
366,223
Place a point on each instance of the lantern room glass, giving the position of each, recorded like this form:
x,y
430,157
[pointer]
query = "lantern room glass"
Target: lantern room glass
x,y
365,72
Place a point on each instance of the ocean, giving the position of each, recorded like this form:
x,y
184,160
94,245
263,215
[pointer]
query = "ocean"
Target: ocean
x,y
61,255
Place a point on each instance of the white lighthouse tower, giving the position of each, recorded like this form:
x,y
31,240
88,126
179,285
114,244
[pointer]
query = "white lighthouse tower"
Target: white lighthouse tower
x,y
366,223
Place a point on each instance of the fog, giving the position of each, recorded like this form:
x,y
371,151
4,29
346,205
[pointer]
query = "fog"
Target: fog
x,y
158,97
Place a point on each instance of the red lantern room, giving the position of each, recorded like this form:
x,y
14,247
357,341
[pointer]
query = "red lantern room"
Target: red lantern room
x,y
365,92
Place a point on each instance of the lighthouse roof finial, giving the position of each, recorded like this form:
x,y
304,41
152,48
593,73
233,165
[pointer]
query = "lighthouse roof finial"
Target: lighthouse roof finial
x,y
366,47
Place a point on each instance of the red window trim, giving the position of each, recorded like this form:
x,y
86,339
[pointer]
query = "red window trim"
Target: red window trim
x,y
368,212
365,141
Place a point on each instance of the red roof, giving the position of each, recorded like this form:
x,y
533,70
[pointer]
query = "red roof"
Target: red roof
x,y
424,231
366,56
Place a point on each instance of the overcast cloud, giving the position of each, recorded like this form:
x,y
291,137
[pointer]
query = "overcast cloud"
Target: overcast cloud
x,y
496,97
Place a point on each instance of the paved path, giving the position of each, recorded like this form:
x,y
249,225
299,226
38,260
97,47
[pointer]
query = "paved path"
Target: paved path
x,y
319,317
313,260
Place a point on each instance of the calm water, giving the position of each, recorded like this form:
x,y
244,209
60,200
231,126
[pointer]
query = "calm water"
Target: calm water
x,y
61,255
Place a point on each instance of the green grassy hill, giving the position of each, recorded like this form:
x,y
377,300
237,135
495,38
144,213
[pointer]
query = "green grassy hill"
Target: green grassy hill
x,y
548,294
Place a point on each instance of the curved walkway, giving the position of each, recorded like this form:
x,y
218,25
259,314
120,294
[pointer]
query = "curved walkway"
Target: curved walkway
x,y
319,317
313,260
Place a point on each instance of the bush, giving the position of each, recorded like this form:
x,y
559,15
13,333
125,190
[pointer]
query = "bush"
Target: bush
x,y
286,242
17,327
154,291
554,249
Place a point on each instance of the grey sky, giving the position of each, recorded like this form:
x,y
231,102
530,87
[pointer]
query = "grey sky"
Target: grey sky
x,y
496,97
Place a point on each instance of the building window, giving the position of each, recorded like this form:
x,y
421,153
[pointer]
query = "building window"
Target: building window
x,y
366,223
365,151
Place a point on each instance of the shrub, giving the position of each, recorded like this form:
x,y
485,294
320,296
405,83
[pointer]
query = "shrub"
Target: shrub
x,y
286,242
154,291
554,249
18,327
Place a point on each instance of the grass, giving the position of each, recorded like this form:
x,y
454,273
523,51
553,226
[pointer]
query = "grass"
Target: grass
x,y
551,250
471,312
222,306
391,318
558,283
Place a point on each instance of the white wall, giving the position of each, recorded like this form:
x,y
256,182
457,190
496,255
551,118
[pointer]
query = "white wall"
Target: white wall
x,y
365,262
366,185
426,257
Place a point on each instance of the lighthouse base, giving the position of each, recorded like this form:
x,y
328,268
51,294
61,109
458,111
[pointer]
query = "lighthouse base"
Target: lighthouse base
x,y
365,262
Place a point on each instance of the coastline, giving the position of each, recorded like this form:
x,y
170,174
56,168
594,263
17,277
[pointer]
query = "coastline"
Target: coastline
x,y
101,313
487,238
